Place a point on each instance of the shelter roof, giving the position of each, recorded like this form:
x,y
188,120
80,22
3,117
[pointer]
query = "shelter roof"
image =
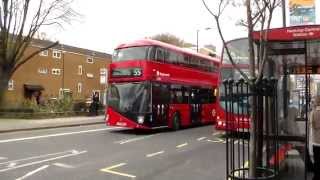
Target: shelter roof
x,y
294,33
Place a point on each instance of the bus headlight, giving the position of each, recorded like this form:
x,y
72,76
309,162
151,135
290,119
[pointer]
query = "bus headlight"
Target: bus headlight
x,y
140,119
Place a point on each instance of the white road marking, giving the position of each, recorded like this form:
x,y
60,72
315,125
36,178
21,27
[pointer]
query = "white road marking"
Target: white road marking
x,y
216,133
41,156
12,164
202,138
218,140
182,145
125,141
33,172
63,165
109,170
154,154
240,173
56,135
236,142
42,161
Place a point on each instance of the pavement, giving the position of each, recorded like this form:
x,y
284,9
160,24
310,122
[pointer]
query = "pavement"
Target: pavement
x,y
11,125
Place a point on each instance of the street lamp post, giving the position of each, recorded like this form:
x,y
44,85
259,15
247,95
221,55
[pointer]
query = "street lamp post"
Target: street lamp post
x,y
207,28
284,18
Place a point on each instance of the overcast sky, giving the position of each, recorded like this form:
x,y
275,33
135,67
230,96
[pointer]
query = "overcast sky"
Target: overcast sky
x,y
107,23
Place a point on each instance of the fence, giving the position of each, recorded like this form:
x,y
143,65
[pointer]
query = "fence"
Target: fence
x,y
256,105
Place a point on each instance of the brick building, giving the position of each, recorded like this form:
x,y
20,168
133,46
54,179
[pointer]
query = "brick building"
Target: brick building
x,y
59,70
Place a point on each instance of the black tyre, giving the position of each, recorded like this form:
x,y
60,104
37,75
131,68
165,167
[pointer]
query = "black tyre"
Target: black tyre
x,y
176,122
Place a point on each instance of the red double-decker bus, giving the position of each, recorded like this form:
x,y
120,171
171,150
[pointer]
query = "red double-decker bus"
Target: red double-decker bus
x,y
154,84
239,117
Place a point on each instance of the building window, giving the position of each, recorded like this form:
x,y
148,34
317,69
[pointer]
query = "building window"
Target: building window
x,y
43,71
103,75
60,93
44,53
79,70
56,54
64,93
11,85
90,75
56,72
79,87
90,60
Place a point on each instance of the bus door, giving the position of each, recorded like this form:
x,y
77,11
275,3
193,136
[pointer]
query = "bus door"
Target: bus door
x,y
160,104
195,106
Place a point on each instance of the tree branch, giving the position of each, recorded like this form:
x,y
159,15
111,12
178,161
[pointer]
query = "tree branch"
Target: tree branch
x,y
225,45
32,55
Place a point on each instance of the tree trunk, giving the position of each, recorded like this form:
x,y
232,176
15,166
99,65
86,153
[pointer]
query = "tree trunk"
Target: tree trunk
x,y
253,100
5,76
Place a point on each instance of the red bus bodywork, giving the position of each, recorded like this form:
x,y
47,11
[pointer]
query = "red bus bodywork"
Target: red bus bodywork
x,y
237,122
155,72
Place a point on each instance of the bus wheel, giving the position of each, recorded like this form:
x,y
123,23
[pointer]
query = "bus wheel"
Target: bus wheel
x,y
176,122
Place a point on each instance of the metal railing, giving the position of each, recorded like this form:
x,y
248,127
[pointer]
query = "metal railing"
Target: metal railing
x,y
240,114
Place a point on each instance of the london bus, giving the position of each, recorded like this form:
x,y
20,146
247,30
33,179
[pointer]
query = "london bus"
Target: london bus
x,y
236,121
153,85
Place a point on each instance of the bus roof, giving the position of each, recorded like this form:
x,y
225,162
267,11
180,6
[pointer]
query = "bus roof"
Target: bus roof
x,y
150,42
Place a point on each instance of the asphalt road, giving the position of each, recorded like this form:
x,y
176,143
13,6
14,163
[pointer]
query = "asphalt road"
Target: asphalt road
x,y
100,152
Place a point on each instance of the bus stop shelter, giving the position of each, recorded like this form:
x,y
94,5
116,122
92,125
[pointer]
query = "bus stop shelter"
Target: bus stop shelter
x,y
294,60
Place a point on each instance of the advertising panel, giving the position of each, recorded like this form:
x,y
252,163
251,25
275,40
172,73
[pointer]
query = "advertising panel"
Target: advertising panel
x,y
302,12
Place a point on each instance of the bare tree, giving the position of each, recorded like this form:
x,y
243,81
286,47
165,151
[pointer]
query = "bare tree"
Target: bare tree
x,y
259,15
20,20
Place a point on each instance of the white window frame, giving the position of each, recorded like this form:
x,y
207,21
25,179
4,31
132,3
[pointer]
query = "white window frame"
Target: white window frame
x,y
79,87
10,85
80,70
55,71
90,75
103,75
60,93
57,54
90,60
44,53
43,70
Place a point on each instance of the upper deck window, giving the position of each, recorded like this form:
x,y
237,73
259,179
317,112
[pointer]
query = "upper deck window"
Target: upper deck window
x,y
132,53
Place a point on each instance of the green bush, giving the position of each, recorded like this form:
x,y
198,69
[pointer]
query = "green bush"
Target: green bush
x,y
29,104
59,105
52,108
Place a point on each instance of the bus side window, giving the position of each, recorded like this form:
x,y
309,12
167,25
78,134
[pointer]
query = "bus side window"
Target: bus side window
x,y
180,60
194,62
212,95
211,66
176,94
204,64
151,53
186,60
160,55
185,95
172,57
